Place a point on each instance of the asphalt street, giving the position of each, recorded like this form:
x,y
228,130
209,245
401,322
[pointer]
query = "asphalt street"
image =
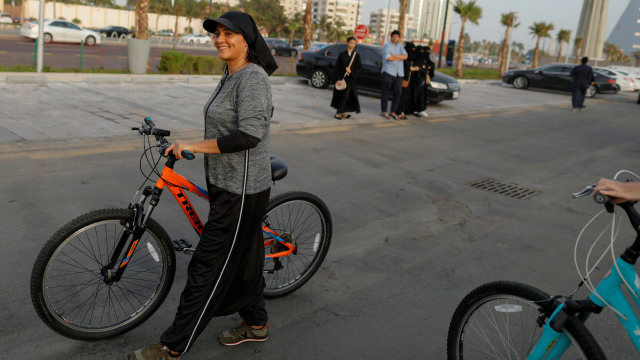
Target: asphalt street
x,y
411,236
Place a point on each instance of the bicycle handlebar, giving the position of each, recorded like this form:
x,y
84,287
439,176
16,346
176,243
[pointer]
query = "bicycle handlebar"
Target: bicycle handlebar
x,y
162,144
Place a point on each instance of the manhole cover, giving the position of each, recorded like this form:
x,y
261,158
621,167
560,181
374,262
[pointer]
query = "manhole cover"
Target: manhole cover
x,y
511,190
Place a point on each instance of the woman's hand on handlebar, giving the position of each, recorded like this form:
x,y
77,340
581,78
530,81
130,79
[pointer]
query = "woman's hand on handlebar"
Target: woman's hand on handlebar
x,y
178,147
619,192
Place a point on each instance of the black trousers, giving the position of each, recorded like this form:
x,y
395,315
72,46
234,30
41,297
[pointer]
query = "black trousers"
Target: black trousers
x,y
390,83
225,273
578,93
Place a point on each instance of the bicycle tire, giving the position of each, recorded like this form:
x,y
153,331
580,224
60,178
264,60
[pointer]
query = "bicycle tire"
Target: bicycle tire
x,y
510,309
303,219
69,293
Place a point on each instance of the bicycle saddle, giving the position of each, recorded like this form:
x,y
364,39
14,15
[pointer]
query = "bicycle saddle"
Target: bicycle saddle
x,y
278,168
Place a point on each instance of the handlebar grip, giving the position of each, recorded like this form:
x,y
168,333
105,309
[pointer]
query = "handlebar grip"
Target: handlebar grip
x,y
601,199
188,155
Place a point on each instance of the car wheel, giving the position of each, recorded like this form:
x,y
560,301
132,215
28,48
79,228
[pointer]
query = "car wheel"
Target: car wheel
x,y
90,40
47,38
273,52
319,79
520,82
591,91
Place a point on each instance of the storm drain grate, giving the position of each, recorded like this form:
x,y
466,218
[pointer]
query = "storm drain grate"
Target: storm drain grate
x,y
511,190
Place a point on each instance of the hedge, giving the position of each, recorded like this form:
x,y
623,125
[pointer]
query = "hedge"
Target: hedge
x,y
176,62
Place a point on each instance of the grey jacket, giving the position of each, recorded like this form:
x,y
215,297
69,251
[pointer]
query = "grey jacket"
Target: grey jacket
x,y
241,101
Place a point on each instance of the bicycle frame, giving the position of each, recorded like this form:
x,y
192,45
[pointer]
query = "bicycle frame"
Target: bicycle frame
x,y
553,344
176,184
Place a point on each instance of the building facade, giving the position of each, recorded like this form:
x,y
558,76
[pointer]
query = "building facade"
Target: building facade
x,y
626,33
593,20
430,19
350,11
380,26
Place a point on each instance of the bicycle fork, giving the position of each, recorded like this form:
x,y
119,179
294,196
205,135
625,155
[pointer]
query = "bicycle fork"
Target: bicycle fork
x,y
133,229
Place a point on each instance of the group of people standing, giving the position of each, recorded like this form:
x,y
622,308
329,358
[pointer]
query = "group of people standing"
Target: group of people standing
x,y
406,72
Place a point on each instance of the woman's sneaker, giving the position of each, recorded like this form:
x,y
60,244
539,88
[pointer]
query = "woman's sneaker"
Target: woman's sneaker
x,y
242,333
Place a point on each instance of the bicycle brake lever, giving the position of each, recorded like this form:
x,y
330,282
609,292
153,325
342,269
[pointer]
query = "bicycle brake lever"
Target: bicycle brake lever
x,y
584,192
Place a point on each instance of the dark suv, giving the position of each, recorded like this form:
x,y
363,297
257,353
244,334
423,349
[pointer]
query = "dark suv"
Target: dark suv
x,y
319,67
115,32
280,47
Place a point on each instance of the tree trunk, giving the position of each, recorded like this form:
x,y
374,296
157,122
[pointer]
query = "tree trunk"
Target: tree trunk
x,y
503,51
536,52
578,54
559,59
403,6
307,25
143,20
460,47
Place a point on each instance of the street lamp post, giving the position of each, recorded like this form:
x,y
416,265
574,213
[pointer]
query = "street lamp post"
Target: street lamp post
x,y
444,28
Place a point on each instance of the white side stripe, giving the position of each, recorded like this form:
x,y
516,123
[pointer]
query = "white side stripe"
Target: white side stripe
x,y
235,236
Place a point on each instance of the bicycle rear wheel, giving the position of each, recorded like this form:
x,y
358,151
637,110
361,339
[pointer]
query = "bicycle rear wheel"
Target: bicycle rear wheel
x,y
498,320
69,291
303,220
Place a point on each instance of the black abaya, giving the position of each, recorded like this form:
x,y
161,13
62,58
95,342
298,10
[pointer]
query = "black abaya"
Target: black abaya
x,y
346,100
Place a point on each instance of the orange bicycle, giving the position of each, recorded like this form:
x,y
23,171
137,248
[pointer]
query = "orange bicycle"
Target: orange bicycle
x,y
107,271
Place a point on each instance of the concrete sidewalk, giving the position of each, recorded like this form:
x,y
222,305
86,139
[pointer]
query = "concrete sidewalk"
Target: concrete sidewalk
x,y
60,106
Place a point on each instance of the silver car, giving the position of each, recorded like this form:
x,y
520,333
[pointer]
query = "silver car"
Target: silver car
x,y
61,31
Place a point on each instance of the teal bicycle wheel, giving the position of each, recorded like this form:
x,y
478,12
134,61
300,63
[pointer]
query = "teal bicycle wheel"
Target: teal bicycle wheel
x,y
498,320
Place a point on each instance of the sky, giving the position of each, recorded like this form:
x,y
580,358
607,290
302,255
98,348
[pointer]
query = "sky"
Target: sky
x,y
564,14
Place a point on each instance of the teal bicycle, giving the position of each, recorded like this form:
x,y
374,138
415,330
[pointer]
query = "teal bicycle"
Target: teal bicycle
x,y
510,320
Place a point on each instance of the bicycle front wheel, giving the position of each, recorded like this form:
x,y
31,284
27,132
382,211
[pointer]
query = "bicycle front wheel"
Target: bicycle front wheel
x,y
303,220
69,290
498,320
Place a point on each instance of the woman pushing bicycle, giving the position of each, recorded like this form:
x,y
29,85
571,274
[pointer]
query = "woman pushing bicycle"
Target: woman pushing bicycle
x,y
225,275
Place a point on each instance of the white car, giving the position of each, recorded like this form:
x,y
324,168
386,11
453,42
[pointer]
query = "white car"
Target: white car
x,y
61,31
195,39
5,19
624,83
634,77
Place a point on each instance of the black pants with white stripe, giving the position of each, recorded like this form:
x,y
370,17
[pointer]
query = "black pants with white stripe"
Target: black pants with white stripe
x,y
225,273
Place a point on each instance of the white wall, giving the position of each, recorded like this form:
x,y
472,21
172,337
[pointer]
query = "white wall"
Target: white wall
x,y
96,17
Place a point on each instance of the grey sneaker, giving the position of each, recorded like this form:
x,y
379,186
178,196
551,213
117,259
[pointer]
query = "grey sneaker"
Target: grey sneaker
x,y
152,352
242,333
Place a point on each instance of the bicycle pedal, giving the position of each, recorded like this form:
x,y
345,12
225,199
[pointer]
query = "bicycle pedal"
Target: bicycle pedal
x,y
181,245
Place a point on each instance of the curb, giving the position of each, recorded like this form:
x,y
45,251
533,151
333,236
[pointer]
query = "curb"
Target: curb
x,y
28,78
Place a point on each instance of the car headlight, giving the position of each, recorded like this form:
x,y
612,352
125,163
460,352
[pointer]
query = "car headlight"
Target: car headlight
x,y
438,85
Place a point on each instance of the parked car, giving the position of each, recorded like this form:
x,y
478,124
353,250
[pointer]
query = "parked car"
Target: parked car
x,y
319,68
556,77
164,32
280,47
20,20
61,31
635,77
5,19
624,83
116,32
195,39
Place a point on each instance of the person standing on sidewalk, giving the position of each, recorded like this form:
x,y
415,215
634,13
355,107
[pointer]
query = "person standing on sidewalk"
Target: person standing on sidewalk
x,y
410,83
348,66
582,77
393,55
225,273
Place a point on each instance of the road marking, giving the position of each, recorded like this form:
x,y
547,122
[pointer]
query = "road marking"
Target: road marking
x,y
85,55
480,116
324,130
385,125
48,154
441,120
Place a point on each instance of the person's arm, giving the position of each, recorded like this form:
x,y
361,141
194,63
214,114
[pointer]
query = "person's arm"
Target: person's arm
x,y
618,191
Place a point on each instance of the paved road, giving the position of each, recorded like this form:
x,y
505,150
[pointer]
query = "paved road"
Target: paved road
x,y
411,237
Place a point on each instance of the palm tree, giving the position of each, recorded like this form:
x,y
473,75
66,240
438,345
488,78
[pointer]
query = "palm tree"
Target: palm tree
x,y
307,25
563,37
636,55
508,20
403,11
194,9
293,27
612,51
578,42
336,31
142,25
467,11
324,24
178,9
540,30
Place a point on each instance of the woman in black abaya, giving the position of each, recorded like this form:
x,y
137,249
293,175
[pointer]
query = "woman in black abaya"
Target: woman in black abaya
x,y
410,94
346,100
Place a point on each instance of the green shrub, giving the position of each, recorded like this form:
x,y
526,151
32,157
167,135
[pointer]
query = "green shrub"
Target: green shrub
x,y
76,21
176,62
